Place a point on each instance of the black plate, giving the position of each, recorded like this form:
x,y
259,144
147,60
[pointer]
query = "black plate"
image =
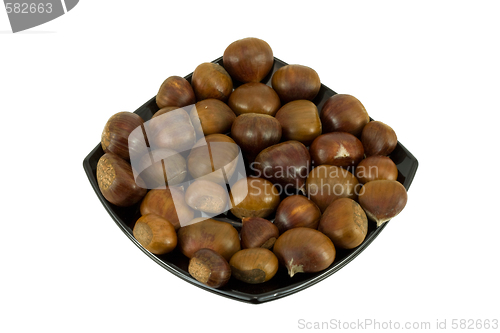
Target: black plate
x,y
281,284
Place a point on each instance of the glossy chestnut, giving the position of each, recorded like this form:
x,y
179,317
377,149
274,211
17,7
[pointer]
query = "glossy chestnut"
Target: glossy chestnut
x,y
175,91
376,168
337,148
258,232
382,200
378,138
207,196
345,223
256,265
115,136
286,164
253,197
155,234
209,268
255,132
116,181
218,236
254,97
211,116
211,80
293,82
299,121
304,250
248,59
344,113
297,211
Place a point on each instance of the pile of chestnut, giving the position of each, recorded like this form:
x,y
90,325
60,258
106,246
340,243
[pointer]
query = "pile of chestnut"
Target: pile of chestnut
x,y
319,177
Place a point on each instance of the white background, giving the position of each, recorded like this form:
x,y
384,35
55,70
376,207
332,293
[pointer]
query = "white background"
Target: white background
x,y
429,69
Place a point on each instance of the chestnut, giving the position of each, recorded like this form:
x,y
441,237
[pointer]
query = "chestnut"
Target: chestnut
x,y
214,157
115,136
258,232
209,268
248,59
116,181
376,167
345,223
254,97
382,200
344,113
299,121
207,196
161,167
175,91
293,82
253,197
326,183
155,234
254,132
172,130
219,236
297,211
337,148
285,163
254,266
211,116
378,139
211,80
304,250
168,203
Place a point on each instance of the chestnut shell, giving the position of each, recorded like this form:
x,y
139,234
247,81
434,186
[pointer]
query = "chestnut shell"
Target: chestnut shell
x,y
115,136
254,98
175,91
248,59
344,113
211,80
337,148
293,82
299,121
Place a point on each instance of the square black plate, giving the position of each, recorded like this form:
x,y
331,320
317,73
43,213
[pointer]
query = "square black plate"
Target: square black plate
x,y
281,284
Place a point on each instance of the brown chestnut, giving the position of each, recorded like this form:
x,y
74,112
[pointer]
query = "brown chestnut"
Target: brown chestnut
x,y
254,132
211,116
248,59
344,113
175,91
258,232
161,167
253,266
168,203
209,268
304,250
337,148
116,181
345,223
211,80
326,183
378,139
297,211
293,82
376,167
254,97
155,234
219,236
207,196
172,130
253,197
115,136
214,157
299,121
285,163
382,199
